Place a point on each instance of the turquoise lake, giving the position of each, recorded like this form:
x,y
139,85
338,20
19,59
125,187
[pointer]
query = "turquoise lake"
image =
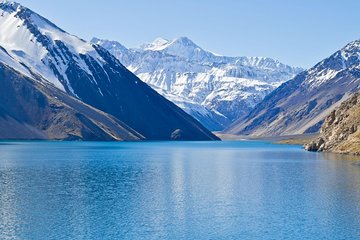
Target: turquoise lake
x,y
176,190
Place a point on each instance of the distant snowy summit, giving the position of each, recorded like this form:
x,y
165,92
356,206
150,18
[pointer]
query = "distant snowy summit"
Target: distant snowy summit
x,y
214,89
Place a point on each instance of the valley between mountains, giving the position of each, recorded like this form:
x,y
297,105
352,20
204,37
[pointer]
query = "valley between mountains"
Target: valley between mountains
x,y
216,90
61,87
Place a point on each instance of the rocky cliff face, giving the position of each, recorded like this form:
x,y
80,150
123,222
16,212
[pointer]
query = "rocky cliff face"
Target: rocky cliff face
x,y
340,132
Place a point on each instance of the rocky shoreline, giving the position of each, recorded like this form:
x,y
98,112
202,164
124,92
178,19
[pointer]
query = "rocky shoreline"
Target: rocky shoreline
x,y
340,132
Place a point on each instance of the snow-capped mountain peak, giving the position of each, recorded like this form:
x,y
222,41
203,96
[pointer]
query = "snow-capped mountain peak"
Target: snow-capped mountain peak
x,y
11,5
214,89
181,47
29,17
109,44
46,54
47,50
184,42
350,54
301,104
344,59
158,44
161,44
186,48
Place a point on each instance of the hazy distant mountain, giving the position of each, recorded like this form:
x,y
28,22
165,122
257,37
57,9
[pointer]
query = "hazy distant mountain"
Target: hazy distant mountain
x,y
301,104
214,89
40,50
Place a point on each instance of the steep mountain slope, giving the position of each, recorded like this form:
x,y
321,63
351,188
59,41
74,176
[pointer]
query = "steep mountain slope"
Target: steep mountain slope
x,y
214,89
301,104
41,50
29,110
340,132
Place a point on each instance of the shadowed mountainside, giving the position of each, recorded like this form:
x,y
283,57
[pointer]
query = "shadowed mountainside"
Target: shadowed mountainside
x,y
301,104
29,110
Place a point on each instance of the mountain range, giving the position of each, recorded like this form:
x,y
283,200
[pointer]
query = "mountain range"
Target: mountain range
x,y
300,105
58,86
95,93
214,89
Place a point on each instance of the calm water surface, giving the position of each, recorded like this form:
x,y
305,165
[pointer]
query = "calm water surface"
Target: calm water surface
x,y
176,190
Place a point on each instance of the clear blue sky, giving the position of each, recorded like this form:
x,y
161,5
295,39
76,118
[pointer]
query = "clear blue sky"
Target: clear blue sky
x,y
296,32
